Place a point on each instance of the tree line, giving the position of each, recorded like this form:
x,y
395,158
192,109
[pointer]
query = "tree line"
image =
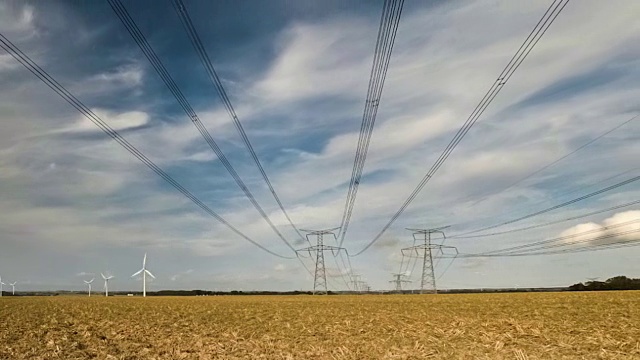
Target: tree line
x,y
614,283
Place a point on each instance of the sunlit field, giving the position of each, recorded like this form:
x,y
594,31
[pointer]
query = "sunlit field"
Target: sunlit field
x,y
604,325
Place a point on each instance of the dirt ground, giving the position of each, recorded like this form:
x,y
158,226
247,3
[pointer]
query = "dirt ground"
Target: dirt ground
x,y
590,325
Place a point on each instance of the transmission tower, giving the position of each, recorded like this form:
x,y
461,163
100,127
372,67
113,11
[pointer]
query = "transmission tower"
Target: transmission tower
x,y
426,251
398,280
356,282
317,251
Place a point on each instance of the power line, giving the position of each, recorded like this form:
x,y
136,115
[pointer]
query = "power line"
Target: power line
x,y
536,248
518,58
143,44
595,247
558,160
566,203
544,243
448,266
183,14
387,30
550,223
41,74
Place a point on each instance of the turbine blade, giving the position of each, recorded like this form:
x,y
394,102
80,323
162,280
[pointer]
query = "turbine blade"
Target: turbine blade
x,y
138,273
104,277
149,273
144,260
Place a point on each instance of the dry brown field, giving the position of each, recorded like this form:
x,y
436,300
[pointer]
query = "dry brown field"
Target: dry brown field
x,y
594,325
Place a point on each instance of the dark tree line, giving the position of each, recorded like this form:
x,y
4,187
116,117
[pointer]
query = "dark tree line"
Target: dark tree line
x,y
615,283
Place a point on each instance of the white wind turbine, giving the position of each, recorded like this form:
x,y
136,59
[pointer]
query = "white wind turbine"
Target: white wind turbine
x,y
89,283
13,287
1,283
144,273
106,283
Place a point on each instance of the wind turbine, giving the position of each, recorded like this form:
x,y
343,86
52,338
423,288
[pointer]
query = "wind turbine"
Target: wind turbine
x,y
106,283
144,273
89,283
13,288
1,283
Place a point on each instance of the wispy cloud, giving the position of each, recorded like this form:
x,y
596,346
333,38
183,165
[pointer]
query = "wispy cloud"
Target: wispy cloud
x,y
67,187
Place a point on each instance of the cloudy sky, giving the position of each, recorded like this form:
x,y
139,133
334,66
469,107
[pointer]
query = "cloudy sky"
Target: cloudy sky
x,y
74,202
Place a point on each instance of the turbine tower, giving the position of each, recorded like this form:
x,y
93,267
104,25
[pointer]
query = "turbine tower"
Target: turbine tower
x,y
13,288
106,283
89,283
425,251
144,273
1,283
320,274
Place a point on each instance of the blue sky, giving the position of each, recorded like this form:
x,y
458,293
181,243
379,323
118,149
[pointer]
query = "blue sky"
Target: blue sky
x,y
74,202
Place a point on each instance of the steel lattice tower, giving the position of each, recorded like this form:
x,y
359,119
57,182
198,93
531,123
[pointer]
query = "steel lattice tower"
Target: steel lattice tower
x,y
356,282
425,251
398,280
320,274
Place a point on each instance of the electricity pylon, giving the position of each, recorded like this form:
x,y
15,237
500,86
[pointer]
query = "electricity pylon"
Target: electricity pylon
x,y
363,286
398,280
425,251
355,282
320,274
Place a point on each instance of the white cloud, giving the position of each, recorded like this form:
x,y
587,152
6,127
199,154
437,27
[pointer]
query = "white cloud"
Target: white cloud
x,y
303,115
121,121
621,227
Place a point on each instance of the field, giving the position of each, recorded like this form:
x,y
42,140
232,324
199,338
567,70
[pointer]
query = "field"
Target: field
x,y
591,325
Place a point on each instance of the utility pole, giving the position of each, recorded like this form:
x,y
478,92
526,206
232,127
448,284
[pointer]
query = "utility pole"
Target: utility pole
x,y
398,280
320,274
425,251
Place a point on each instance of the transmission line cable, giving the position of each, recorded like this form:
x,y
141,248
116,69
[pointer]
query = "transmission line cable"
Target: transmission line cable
x,y
448,266
346,283
594,247
518,58
143,44
538,246
41,74
551,222
564,204
559,196
544,244
387,30
559,159
190,29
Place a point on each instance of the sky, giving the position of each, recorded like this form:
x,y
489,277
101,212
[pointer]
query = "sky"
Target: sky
x,y
74,203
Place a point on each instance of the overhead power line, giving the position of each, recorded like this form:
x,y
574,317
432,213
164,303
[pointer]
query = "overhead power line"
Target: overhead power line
x,y
612,208
518,58
183,14
559,159
593,247
41,74
559,241
143,44
387,30
564,204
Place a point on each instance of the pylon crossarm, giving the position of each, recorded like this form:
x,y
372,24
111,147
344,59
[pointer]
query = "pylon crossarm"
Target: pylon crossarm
x,y
300,252
454,250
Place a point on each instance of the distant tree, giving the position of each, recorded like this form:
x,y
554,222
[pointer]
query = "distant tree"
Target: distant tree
x,y
614,283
